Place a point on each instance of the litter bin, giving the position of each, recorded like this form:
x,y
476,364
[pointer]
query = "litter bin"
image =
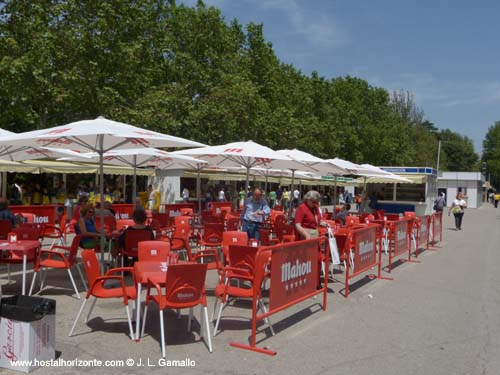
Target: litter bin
x,y
27,332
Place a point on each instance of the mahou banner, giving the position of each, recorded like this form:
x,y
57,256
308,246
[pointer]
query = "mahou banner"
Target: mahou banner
x,y
365,249
401,239
294,272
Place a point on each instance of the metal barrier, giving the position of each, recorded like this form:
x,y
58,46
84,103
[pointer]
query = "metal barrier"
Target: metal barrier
x,y
294,274
437,227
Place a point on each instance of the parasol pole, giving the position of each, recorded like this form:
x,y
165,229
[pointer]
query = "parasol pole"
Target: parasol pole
x,y
101,192
198,188
134,182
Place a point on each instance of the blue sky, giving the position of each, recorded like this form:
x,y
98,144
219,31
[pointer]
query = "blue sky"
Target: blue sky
x,y
447,53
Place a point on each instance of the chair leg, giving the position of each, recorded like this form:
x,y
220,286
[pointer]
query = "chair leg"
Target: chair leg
x,y
91,308
74,285
144,320
42,278
190,318
32,283
222,305
129,323
78,316
207,326
162,335
81,276
215,309
8,273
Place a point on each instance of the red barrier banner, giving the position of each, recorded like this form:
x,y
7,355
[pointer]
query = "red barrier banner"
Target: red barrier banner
x,y
175,209
437,230
298,276
294,278
123,211
401,237
44,214
423,236
362,253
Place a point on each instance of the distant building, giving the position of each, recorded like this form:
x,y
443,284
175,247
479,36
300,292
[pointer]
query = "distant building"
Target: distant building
x,y
471,184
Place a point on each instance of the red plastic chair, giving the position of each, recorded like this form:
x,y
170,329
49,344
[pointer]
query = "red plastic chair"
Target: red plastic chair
x,y
187,212
183,220
31,233
286,232
180,240
209,246
156,251
233,238
241,269
57,259
132,239
56,233
232,223
265,238
123,224
185,288
351,220
97,290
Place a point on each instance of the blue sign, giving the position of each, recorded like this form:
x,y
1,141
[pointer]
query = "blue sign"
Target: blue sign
x,y
410,170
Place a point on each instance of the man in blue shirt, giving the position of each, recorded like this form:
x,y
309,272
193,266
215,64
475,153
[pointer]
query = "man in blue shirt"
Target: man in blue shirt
x,y
256,208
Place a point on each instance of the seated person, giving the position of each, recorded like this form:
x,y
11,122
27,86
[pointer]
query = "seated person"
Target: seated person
x,y
82,201
86,227
6,213
344,211
139,216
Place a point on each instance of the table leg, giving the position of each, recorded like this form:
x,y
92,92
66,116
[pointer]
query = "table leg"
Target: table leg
x,y
138,313
24,273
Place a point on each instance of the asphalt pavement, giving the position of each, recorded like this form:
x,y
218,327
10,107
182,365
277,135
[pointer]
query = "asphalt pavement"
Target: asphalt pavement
x,y
440,316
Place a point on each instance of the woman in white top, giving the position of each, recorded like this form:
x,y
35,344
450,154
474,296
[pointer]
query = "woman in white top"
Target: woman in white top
x,y
457,208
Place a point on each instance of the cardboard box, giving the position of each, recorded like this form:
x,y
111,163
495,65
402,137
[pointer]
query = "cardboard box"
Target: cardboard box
x,y
27,341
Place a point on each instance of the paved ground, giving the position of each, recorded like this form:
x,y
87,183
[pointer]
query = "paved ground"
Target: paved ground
x,y
441,316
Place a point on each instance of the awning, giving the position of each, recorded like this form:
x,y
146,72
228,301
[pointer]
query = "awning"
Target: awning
x,y
47,166
12,166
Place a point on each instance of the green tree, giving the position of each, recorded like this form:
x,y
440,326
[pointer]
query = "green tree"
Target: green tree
x,y
459,152
491,153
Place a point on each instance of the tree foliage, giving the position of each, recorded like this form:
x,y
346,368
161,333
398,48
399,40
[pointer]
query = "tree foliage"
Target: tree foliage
x,y
491,153
186,71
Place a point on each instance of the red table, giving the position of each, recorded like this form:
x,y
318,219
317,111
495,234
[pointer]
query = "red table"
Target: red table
x,y
26,249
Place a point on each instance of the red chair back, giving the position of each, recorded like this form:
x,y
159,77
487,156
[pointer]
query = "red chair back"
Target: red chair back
x,y
91,265
182,220
379,215
233,223
132,239
231,238
109,223
243,257
185,285
186,211
73,249
410,214
153,251
28,233
284,229
124,223
351,220
265,237
4,229
212,233
163,219
392,217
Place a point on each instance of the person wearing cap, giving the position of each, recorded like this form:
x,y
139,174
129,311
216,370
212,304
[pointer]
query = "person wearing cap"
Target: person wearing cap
x,y
254,212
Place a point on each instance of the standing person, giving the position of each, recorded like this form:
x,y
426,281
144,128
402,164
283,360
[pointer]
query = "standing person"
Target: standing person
x,y
208,198
279,194
185,194
222,195
439,203
496,198
242,197
296,197
308,216
285,198
151,197
272,198
457,207
37,194
61,193
256,208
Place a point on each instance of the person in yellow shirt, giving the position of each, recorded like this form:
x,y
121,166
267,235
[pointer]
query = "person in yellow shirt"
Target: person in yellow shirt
x,y
61,193
496,197
37,194
285,198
